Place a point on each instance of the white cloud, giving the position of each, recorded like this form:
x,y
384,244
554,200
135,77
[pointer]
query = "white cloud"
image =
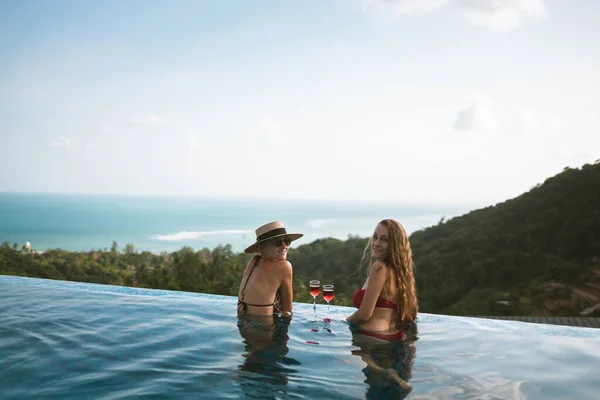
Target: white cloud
x,y
47,123
149,119
91,145
528,121
63,143
192,140
404,6
272,131
316,223
342,48
478,115
190,235
502,15
572,158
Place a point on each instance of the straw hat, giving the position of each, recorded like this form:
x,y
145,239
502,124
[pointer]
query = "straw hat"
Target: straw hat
x,y
270,231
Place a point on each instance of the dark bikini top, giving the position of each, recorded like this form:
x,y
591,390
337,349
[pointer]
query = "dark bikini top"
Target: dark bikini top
x,y
243,303
357,300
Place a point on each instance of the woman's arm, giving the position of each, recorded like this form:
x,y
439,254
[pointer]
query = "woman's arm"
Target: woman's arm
x,y
375,282
286,290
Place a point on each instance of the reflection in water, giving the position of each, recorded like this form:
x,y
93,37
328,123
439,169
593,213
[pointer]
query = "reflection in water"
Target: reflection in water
x,y
266,365
388,364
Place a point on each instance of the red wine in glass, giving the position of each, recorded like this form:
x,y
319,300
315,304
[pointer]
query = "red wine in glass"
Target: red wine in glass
x,y
328,293
314,291
315,288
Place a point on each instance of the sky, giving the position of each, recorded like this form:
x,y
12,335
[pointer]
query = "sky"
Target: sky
x,y
459,101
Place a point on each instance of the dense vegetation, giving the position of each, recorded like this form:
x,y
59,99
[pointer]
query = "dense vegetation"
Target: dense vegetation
x,y
537,254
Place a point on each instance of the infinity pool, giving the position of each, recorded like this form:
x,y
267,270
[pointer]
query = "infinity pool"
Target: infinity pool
x,y
67,340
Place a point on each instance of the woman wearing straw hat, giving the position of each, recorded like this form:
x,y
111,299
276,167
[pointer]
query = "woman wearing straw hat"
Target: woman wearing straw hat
x,y
268,275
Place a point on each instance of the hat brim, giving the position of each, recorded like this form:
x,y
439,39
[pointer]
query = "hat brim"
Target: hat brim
x,y
255,246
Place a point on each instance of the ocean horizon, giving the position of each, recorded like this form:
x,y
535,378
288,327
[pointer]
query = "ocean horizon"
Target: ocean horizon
x,y
85,222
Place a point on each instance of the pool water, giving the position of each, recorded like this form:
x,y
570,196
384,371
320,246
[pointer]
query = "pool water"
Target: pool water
x,y
68,340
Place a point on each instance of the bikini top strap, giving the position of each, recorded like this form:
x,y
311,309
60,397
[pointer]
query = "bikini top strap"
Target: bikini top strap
x,y
248,278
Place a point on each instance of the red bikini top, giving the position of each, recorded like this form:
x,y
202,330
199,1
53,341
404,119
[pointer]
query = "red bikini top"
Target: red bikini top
x,y
357,299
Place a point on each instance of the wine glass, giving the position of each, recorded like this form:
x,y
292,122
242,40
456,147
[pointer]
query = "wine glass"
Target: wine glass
x,y
328,294
315,288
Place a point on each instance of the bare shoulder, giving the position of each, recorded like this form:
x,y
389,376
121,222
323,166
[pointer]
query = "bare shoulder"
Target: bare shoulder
x,y
284,267
377,275
378,267
285,264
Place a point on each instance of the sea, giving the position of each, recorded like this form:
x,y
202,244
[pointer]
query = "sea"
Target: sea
x,y
79,222
72,340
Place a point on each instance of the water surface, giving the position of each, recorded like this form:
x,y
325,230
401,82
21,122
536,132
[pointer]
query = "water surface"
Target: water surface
x,y
68,340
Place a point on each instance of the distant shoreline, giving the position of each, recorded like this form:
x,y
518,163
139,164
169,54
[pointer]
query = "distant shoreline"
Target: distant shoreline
x,y
122,246
158,224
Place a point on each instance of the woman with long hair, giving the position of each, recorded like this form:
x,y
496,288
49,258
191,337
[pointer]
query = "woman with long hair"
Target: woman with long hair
x,y
387,303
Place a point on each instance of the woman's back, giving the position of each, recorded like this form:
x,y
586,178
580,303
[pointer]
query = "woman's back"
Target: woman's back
x,y
260,284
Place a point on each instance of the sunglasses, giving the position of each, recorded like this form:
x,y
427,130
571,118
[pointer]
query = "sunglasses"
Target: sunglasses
x,y
279,242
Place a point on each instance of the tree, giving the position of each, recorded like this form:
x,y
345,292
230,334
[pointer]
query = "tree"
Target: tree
x,y
129,249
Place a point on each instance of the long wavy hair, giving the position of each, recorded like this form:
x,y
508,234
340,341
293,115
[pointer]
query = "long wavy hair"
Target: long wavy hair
x,y
400,267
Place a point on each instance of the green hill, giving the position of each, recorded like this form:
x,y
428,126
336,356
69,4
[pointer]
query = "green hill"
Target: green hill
x,y
537,254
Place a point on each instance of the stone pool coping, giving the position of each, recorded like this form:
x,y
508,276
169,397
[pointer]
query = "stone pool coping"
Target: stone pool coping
x,y
586,322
